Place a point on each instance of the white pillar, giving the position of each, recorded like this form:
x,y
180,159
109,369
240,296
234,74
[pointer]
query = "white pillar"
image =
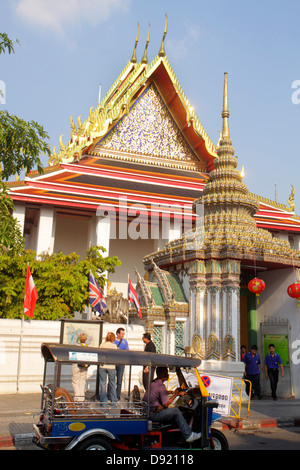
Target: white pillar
x,y
103,233
236,321
296,242
19,214
46,231
172,342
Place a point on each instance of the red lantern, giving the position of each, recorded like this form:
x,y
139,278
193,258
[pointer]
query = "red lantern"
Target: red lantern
x,y
294,291
256,286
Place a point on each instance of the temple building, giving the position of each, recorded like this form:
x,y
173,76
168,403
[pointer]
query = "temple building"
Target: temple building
x,y
142,178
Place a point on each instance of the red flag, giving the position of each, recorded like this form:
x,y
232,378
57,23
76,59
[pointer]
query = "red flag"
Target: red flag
x,y
133,298
31,295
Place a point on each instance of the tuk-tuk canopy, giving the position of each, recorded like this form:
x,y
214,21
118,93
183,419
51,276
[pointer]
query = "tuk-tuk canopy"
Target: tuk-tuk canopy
x,y
70,354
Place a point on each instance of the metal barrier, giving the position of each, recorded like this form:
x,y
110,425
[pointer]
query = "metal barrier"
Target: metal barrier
x,y
239,408
236,403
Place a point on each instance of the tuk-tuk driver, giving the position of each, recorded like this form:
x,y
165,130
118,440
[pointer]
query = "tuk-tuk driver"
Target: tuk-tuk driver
x,y
159,405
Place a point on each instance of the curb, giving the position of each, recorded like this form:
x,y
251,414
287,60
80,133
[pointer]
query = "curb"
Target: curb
x,y
226,424
24,439
6,441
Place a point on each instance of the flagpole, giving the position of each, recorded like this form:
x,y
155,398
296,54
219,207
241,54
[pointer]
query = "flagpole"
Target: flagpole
x,y
128,304
20,353
20,346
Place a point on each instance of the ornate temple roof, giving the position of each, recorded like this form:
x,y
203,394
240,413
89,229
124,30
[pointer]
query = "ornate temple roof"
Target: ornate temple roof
x,y
142,142
229,229
155,96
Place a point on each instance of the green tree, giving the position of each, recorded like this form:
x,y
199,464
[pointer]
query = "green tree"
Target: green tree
x,y
10,230
21,142
61,281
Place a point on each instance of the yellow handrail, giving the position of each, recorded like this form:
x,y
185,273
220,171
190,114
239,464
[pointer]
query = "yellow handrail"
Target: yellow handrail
x,y
234,400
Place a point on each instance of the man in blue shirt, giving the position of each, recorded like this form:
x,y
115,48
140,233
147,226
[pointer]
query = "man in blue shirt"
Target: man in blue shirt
x,y
272,362
121,343
252,371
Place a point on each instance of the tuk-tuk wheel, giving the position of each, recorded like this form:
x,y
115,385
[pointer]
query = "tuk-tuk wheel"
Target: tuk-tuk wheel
x,y
218,440
94,443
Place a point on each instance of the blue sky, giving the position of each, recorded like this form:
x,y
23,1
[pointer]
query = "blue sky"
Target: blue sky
x,y
69,47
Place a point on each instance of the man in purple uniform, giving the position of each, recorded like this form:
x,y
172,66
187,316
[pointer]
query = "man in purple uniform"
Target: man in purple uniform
x,y
159,405
272,362
252,371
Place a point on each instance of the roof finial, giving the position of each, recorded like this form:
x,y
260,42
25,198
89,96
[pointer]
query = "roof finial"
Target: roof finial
x,y
133,58
225,112
145,58
162,51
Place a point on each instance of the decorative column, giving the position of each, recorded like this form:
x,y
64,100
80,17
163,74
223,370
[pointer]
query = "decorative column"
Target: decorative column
x,y
197,311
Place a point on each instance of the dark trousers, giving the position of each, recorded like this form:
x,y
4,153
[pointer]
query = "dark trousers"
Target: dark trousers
x,y
255,380
146,377
273,376
120,372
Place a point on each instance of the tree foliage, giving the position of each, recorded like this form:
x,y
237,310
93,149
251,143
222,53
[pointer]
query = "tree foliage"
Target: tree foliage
x,y
61,281
10,230
21,142
6,44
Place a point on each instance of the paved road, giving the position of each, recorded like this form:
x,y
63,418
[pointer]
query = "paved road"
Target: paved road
x,y
264,439
270,439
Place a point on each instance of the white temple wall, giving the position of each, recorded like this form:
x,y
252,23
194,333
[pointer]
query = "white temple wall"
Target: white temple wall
x,y
276,307
71,234
37,332
131,253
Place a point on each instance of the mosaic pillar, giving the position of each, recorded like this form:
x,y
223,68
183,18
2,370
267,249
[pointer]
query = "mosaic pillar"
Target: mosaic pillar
x,y
215,309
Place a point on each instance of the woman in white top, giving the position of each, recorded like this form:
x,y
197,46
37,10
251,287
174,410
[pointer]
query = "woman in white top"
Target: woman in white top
x,y
108,371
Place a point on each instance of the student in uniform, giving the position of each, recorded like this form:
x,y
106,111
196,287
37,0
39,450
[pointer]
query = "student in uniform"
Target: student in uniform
x,y
252,371
272,362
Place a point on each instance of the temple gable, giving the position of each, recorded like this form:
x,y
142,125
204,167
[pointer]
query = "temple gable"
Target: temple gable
x,y
149,129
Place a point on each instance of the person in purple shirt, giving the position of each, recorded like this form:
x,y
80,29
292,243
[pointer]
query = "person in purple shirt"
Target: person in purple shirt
x,y
159,405
121,343
252,371
272,362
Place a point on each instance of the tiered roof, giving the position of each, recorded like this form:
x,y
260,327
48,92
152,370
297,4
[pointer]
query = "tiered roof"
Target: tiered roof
x,y
143,143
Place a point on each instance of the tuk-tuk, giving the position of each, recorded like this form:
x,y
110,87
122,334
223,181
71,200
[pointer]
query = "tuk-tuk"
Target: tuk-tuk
x,y
91,425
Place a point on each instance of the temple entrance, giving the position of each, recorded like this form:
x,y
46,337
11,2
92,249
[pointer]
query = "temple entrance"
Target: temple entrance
x,y
244,321
248,328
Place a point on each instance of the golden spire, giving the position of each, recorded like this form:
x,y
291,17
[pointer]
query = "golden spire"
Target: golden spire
x,y
145,58
162,51
225,112
133,58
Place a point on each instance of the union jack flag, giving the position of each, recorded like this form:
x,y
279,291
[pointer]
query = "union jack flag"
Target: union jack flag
x,y
96,296
133,298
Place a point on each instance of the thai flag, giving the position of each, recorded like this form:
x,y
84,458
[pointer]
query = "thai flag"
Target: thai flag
x,y
30,296
132,297
96,297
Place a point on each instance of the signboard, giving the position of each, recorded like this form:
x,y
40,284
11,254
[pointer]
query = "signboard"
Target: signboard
x,y
220,390
79,356
281,344
218,387
71,329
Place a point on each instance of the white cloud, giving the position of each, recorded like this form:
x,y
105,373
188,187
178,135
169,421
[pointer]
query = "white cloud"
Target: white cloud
x,y
178,48
59,14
